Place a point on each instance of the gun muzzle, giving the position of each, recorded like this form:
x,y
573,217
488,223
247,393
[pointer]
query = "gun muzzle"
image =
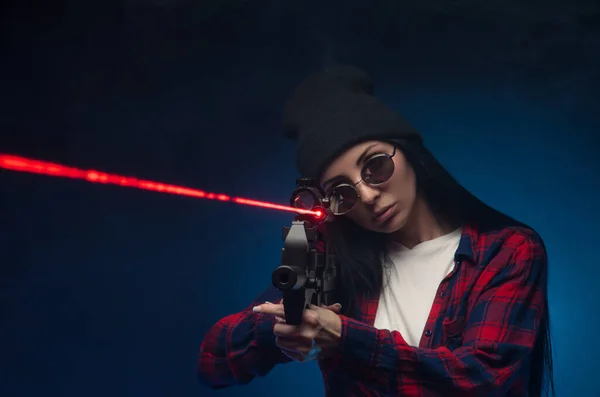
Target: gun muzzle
x,y
287,278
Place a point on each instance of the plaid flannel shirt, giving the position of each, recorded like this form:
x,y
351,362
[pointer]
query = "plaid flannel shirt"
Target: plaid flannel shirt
x,y
477,341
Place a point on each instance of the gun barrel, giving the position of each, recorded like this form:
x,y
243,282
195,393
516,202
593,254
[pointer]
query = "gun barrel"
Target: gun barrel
x,y
287,278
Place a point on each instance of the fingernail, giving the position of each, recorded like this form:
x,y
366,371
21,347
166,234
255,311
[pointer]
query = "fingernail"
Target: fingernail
x,y
268,302
256,309
338,305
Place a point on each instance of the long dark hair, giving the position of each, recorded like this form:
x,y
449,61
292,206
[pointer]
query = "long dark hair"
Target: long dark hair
x,y
360,251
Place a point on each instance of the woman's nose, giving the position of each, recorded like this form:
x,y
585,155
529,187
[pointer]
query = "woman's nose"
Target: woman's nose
x,y
368,194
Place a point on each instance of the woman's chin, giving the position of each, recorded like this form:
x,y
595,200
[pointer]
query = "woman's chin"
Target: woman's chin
x,y
392,225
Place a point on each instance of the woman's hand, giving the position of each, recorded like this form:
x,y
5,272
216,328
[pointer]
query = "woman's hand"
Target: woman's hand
x,y
317,335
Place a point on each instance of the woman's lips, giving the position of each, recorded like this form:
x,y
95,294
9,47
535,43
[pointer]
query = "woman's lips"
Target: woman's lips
x,y
385,215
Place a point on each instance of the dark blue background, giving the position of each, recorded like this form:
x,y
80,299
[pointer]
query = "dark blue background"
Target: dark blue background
x,y
109,291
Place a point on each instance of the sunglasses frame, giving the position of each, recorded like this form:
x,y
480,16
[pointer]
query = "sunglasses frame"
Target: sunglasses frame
x,y
363,179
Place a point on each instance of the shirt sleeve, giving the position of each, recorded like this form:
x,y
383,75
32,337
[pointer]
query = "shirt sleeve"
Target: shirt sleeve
x,y
240,347
499,337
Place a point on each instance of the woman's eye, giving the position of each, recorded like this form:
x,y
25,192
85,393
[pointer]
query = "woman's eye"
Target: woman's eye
x,y
373,165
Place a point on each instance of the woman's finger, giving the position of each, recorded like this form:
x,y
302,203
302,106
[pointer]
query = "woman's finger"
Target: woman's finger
x,y
286,331
294,346
301,332
294,355
302,353
336,308
270,308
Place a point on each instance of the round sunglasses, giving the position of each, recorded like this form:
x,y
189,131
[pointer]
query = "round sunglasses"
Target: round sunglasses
x,y
377,170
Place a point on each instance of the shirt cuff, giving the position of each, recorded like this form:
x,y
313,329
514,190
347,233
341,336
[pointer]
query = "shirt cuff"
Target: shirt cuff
x,y
362,346
358,343
264,335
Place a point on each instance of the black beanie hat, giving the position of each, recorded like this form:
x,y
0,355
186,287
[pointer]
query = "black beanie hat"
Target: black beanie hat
x,y
334,109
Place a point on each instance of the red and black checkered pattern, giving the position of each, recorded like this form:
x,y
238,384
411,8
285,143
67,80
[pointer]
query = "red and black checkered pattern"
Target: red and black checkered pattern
x,y
477,341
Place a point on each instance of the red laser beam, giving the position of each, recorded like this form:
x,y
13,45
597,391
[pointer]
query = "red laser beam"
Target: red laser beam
x,y
22,164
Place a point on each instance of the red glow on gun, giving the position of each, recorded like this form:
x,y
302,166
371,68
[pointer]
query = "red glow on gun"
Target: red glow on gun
x,y
22,164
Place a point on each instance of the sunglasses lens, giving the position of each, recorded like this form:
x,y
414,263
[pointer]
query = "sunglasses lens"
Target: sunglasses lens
x,y
378,169
343,199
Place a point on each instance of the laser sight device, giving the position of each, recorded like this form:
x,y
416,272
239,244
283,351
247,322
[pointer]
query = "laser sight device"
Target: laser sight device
x,y
308,272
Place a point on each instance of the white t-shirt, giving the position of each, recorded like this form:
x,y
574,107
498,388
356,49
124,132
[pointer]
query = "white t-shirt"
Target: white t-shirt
x,y
414,278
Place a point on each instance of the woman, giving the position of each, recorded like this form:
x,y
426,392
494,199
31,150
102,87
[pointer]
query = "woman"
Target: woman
x,y
440,295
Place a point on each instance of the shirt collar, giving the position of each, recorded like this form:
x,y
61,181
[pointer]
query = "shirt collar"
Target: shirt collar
x,y
468,243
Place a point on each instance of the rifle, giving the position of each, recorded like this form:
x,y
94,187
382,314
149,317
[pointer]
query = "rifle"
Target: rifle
x,y
308,272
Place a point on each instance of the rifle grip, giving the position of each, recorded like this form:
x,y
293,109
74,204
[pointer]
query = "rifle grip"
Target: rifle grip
x,y
294,303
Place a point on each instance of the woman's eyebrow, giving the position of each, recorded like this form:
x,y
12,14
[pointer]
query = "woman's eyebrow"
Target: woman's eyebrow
x,y
364,154
330,181
359,160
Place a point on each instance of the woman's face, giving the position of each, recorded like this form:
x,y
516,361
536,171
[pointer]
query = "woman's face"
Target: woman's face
x,y
395,197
